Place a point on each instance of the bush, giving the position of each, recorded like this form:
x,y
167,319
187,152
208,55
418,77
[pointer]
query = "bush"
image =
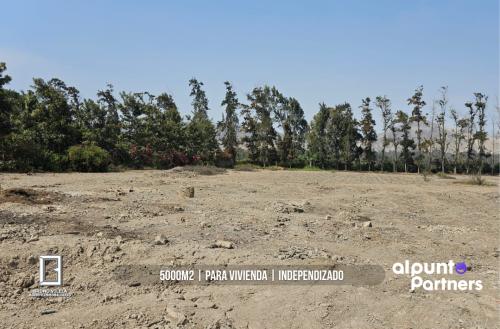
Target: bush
x,y
88,158
224,159
169,159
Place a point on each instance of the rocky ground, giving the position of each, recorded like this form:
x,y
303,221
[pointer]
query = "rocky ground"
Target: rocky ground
x,y
99,222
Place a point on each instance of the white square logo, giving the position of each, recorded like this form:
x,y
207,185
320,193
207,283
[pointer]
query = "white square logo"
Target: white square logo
x,y
58,270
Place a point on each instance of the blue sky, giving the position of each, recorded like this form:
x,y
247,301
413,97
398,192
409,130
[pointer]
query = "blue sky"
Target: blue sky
x,y
315,51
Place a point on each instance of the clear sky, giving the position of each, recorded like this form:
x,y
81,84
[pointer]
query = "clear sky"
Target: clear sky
x,y
315,51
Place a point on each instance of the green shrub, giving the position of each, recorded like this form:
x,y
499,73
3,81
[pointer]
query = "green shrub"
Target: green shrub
x,y
88,158
224,159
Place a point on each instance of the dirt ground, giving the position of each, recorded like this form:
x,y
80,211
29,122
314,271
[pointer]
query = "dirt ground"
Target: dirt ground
x,y
98,222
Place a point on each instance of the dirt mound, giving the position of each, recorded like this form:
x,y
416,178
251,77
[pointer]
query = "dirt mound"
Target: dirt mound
x,y
289,207
199,170
28,196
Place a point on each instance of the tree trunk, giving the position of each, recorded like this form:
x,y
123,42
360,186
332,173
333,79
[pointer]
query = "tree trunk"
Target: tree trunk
x,y
395,165
493,150
431,143
418,147
383,159
383,152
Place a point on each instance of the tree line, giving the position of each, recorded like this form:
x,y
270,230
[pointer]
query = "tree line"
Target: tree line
x,y
51,127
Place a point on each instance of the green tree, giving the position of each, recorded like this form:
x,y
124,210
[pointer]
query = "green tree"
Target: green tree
x,y
200,100
441,125
201,132
262,105
460,126
111,133
369,135
407,144
165,132
341,136
317,145
134,130
290,117
393,127
52,123
90,119
481,135
470,137
249,128
420,118
350,136
334,135
6,113
6,124
228,126
384,104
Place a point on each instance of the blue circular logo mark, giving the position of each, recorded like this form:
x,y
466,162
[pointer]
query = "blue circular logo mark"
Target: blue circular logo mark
x,y
461,268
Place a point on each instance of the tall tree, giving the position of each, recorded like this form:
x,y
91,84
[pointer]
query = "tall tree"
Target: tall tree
x,y
494,134
166,133
200,100
368,133
420,118
262,105
384,104
290,117
91,122
112,124
5,107
460,125
228,126
428,143
407,144
55,118
470,137
6,124
136,125
249,128
317,146
393,126
441,125
201,131
481,135
350,136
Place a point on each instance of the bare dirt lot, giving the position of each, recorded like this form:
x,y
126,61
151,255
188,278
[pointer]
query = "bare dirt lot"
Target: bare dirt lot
x,y
98,222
